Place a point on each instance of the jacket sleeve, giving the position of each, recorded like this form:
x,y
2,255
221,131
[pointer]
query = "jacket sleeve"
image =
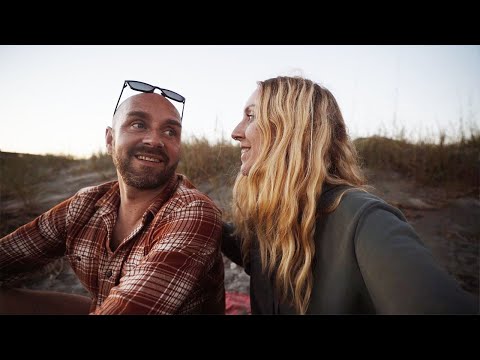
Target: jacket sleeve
x,y
400,272
231,244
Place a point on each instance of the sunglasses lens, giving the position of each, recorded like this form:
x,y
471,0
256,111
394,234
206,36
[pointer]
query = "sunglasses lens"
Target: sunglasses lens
x,y
173,95
140,86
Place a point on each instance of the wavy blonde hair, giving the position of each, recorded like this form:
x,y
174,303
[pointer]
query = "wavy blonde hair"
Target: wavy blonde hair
x,y
304,145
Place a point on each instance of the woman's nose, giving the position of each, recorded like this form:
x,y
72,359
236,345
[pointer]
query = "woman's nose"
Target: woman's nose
x,y
239,132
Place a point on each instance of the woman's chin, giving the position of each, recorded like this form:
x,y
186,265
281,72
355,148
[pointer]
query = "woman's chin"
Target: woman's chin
x,y
244,170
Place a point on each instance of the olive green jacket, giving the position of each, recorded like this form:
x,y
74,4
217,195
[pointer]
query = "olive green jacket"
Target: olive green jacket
x,y
368,260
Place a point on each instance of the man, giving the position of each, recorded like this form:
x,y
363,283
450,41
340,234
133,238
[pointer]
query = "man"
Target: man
x,y
148,243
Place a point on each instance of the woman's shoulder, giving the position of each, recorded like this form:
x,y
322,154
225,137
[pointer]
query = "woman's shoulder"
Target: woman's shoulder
x,y
355,202
349,195
356,197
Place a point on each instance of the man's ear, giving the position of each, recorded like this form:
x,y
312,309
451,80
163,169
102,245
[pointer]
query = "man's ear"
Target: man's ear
x,y
109,139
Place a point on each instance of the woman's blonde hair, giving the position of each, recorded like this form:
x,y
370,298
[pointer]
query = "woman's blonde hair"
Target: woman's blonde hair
x,y
304,145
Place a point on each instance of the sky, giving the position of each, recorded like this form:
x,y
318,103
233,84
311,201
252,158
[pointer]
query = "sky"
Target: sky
x,y
58,99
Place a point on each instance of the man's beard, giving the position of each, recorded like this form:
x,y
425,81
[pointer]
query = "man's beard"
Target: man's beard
x,y
147,177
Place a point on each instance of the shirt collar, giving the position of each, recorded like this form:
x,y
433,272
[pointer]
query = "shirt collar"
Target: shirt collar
x,y
110,201
163,197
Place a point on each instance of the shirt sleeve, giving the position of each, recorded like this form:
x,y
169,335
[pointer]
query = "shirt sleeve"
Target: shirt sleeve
x,y
33,245
400,272
185,247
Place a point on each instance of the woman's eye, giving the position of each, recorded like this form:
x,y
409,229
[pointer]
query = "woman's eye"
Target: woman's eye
x,y
251,117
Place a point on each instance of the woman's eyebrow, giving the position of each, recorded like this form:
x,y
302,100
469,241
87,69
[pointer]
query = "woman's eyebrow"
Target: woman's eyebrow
x,y
249,107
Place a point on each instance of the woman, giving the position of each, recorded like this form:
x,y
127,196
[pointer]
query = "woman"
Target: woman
x,y
310,236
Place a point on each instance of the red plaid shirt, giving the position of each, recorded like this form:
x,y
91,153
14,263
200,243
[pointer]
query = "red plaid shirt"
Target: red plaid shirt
x,y
170,264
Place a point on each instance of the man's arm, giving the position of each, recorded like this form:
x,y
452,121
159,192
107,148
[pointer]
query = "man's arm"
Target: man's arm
x,y
33,245
186,245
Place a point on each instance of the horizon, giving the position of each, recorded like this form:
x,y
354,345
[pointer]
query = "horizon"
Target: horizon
x,y
454,140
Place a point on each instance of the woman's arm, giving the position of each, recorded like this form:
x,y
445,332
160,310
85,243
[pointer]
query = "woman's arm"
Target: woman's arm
x,y
400,272
231,244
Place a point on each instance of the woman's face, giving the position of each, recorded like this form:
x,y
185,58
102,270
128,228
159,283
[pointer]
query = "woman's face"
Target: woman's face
x,y
247,133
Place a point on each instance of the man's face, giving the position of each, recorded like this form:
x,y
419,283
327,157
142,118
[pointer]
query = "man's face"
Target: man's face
x,y
145,140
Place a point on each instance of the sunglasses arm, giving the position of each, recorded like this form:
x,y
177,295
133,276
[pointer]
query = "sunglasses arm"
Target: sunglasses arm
x,y
121,92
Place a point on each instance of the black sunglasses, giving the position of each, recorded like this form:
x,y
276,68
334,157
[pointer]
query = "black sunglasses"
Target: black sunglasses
x,y
147,88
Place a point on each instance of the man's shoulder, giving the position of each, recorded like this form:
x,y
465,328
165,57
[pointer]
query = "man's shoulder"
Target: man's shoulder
x,y
88,196
96,189
84,203
187,193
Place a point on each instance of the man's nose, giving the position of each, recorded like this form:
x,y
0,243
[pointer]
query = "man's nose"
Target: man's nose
x,y
153,139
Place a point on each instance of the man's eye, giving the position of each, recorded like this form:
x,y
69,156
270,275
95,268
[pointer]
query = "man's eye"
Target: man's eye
x,y
170,132
138,125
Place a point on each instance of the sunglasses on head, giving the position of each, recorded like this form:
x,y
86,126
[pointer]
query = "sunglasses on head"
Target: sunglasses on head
x,y
147,88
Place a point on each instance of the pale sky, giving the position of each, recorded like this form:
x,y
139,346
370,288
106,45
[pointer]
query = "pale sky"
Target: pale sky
x,y
59,99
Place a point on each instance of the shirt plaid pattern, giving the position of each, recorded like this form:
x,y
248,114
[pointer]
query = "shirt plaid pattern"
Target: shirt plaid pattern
x,y
170,264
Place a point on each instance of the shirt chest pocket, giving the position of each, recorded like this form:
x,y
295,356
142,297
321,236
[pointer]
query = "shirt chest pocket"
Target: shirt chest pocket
x,y
84,257
84,251
85,266
133,261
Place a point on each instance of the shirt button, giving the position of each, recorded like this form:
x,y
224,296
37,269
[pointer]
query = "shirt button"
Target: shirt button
x,y
108,273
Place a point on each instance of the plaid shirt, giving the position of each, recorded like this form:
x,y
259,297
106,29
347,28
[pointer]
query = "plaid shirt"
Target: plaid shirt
x,y
170,264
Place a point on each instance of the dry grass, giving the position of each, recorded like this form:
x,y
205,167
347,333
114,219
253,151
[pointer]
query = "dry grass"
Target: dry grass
x,y
202,162
21,175
215,165
454,165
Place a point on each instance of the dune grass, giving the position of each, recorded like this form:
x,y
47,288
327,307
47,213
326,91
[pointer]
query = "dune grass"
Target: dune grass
x,y
213,165
453,165
21,175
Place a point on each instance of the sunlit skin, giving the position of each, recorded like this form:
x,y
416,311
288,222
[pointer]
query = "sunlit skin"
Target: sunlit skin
x,y
247,133
145,144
